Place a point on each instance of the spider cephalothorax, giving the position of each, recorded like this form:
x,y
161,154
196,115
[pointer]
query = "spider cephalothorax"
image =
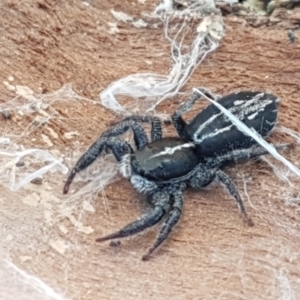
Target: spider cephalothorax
x,y
164,167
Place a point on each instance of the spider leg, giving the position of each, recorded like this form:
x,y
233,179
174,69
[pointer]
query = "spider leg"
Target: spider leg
x,y
205,175
139,134
228,184
118,147
202,176
156,129
177,120
161,205
168,225
133,122
142,185
241,154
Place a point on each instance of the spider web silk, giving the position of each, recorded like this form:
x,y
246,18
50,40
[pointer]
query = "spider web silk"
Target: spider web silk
x,y
151,89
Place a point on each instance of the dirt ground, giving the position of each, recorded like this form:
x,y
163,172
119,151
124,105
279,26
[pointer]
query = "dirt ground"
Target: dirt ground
x,y
211,253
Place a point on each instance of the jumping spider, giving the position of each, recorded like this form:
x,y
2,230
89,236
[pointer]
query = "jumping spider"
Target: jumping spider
x,y
164,167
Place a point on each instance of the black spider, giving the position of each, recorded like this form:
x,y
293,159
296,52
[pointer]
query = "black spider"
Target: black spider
x,y
164,167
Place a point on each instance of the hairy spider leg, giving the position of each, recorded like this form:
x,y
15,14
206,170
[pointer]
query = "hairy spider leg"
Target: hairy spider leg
x,y
228,184
161,204
241,154
177,120
236,155
172,219
140,136
204,175
156,129
118,147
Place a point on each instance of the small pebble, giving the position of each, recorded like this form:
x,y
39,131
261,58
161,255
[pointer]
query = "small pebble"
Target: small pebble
x,y
291,35
115,244
6,114
37,181
20,164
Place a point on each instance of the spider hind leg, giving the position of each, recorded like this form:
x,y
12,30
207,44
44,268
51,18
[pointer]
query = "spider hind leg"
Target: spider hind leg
x,y
204,176
229,186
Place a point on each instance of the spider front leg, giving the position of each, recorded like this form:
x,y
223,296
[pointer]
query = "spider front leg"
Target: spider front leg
x,y
118,147
173,217
156,129
140,136
177,120
161,205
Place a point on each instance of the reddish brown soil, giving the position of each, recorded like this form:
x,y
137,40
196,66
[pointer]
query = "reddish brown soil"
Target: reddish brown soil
x,y
211,254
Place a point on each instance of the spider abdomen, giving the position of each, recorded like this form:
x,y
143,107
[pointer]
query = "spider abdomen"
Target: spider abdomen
x,y
215,134
166,159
